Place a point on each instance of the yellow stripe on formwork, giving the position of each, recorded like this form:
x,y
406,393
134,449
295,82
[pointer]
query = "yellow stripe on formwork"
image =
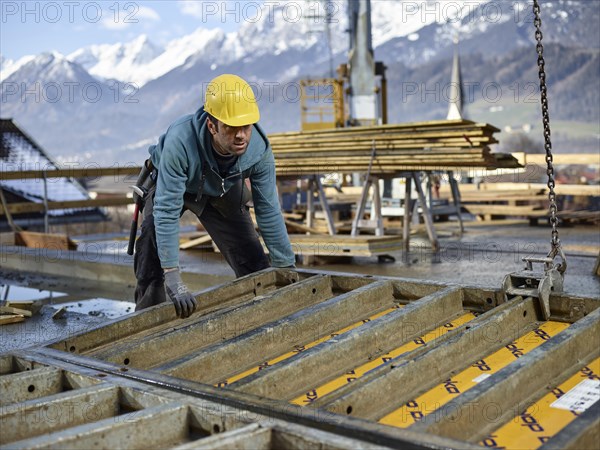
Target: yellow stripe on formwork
x,y
415,410
299,349
352,375
545,418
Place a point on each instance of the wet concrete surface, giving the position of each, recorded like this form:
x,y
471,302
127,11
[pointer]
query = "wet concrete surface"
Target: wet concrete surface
x,y
482,256
42,328
485,254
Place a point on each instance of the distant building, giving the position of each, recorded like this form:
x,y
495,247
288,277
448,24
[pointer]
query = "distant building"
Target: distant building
x,y
455,102
19,152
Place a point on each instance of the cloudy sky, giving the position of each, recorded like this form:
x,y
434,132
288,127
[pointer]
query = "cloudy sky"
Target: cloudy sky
x,y
30,27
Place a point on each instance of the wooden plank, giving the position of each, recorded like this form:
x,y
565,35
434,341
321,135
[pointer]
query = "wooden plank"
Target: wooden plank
x,y
328,157
44,240
194,242
5,320
506,210
432,124
561,189
29,207
32,307
13,310
89,172
345,239
344,245
587,159
299,226
385,147
399,147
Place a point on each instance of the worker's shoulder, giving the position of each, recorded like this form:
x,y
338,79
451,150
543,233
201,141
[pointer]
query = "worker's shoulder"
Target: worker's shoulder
x,y
183,125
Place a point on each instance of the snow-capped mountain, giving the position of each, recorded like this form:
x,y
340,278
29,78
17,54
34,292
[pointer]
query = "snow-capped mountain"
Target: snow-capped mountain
x,y
9,66
50,67
140,60
413,39
124,62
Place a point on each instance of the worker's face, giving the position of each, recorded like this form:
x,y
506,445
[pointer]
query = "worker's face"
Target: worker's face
x,y
229,140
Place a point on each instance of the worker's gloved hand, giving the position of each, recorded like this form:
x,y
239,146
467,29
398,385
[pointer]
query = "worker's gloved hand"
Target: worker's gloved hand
x,y
177,291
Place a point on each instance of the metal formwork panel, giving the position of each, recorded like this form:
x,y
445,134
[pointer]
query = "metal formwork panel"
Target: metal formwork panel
x,y
96,409
425,363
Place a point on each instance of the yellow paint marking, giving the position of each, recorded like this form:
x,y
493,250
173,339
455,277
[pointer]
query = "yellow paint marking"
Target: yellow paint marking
x,y
352,375
415,410
541,421
299,349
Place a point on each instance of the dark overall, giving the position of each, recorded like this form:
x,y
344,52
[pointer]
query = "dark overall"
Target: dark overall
x,y
227,221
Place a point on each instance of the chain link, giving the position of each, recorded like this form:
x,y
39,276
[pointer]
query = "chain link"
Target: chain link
x,y
546,121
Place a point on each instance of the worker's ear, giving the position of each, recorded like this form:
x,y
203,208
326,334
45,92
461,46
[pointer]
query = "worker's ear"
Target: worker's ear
x,y
211,127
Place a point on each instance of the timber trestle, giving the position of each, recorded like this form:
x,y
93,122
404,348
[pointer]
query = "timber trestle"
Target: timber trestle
x,y
303,358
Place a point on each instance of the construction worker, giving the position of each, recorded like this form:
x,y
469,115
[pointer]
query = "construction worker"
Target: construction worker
x,y
201,164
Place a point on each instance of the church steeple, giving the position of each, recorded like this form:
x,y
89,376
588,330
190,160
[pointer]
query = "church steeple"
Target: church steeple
x,y
455,103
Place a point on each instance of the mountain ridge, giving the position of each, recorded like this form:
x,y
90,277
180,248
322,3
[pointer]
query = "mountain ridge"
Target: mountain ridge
x,y
110,116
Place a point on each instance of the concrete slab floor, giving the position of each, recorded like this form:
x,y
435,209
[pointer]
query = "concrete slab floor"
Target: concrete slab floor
x,y
42,328
483,255
86,304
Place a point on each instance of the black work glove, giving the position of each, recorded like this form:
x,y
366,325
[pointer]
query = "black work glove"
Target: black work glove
x,y
177,291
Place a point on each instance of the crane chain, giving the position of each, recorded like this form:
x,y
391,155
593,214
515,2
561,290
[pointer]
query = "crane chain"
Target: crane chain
x,y
555,242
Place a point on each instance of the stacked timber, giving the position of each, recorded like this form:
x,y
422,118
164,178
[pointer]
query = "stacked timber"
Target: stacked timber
x,y
434,145
15,312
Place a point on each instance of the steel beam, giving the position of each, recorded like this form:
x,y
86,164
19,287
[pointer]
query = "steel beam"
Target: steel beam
x,y
213,410
10,364
57,412
335,356
387,387
514,387
160,318
210,365
200,331
160,426
22,386
249,437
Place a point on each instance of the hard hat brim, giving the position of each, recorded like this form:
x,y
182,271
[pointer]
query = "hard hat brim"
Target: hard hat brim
x,y
241,121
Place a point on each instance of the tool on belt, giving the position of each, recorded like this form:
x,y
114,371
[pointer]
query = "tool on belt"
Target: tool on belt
x,y
145,181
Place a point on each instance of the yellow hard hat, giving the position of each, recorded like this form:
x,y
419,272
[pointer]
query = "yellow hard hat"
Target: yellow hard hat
x,y
231,100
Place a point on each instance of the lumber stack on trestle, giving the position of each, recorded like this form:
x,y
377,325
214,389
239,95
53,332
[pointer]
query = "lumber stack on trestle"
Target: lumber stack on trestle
x,y
434,145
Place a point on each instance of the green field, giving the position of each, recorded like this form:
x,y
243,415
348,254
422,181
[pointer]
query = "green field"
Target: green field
x,y
517,114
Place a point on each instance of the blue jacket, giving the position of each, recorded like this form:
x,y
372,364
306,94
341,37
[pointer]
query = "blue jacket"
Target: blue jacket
x,y
180,155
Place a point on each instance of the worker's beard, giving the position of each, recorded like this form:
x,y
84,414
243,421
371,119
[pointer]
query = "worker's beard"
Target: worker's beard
x,y
235,148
